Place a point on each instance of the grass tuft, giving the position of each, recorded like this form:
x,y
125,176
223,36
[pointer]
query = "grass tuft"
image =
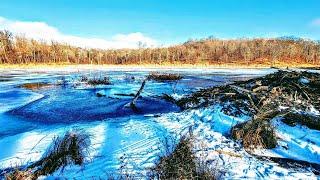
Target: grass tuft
x,y
35,86
20,175
164,76
95,81
99,81
69,149
256,133
181,164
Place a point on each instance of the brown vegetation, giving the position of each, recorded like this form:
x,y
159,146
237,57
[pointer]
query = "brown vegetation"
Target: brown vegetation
x,y
95,81
261,99
20,175
19,50
35,86
99,81
72,148
164,76
256,133
181,164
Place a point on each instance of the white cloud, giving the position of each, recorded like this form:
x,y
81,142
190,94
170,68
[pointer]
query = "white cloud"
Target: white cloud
x,y
316,22
42,31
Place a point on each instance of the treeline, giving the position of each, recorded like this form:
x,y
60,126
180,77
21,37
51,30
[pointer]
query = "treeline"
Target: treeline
x,y
19,50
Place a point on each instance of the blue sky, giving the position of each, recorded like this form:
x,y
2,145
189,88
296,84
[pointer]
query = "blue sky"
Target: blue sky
x,y
169,21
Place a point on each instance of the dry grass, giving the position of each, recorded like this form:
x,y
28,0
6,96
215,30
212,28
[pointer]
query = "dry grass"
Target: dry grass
x,y
20,175
72,148
35,86
84,79
99,81
260,98
95,81
257,132
164,76
181,163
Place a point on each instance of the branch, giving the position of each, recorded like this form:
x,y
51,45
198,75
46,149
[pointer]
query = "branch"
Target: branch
x,y
132,104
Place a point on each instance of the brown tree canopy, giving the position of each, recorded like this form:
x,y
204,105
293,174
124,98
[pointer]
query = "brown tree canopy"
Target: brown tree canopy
x,y
19,50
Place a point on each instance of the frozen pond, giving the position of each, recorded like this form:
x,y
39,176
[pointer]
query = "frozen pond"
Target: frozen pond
x,y
120,136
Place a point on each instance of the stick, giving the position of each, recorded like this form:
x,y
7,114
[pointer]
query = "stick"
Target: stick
x,y
251,101
132,104
303,92
241,90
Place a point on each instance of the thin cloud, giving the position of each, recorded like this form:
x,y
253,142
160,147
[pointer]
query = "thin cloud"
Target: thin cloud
x,y
316,22
43,31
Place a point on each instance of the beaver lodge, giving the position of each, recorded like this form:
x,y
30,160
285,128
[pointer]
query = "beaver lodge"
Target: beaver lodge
x,y
289,95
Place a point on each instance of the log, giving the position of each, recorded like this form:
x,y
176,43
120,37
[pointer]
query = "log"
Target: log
x,y
260,88
132,104
241,90
303,92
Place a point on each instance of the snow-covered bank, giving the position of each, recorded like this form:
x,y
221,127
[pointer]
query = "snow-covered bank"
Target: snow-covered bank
x,y
122,138
209,127
16,98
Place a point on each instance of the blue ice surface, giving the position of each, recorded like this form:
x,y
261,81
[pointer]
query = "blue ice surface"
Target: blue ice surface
x,y
64,106
118,133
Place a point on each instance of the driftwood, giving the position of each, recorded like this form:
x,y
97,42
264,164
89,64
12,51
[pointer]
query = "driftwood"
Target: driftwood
x,y
260,88
241,90
132,104
252,103
246,92
156,77
122,94
302,91
260,97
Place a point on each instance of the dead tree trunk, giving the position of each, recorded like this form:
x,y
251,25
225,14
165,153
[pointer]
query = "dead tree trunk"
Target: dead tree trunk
x,y
132,104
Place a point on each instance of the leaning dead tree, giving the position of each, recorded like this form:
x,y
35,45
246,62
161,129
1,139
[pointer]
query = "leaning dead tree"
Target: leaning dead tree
x,y
158,77
132,104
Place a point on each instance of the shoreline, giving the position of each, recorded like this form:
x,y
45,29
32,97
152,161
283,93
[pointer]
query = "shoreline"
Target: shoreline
x,y
144,66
